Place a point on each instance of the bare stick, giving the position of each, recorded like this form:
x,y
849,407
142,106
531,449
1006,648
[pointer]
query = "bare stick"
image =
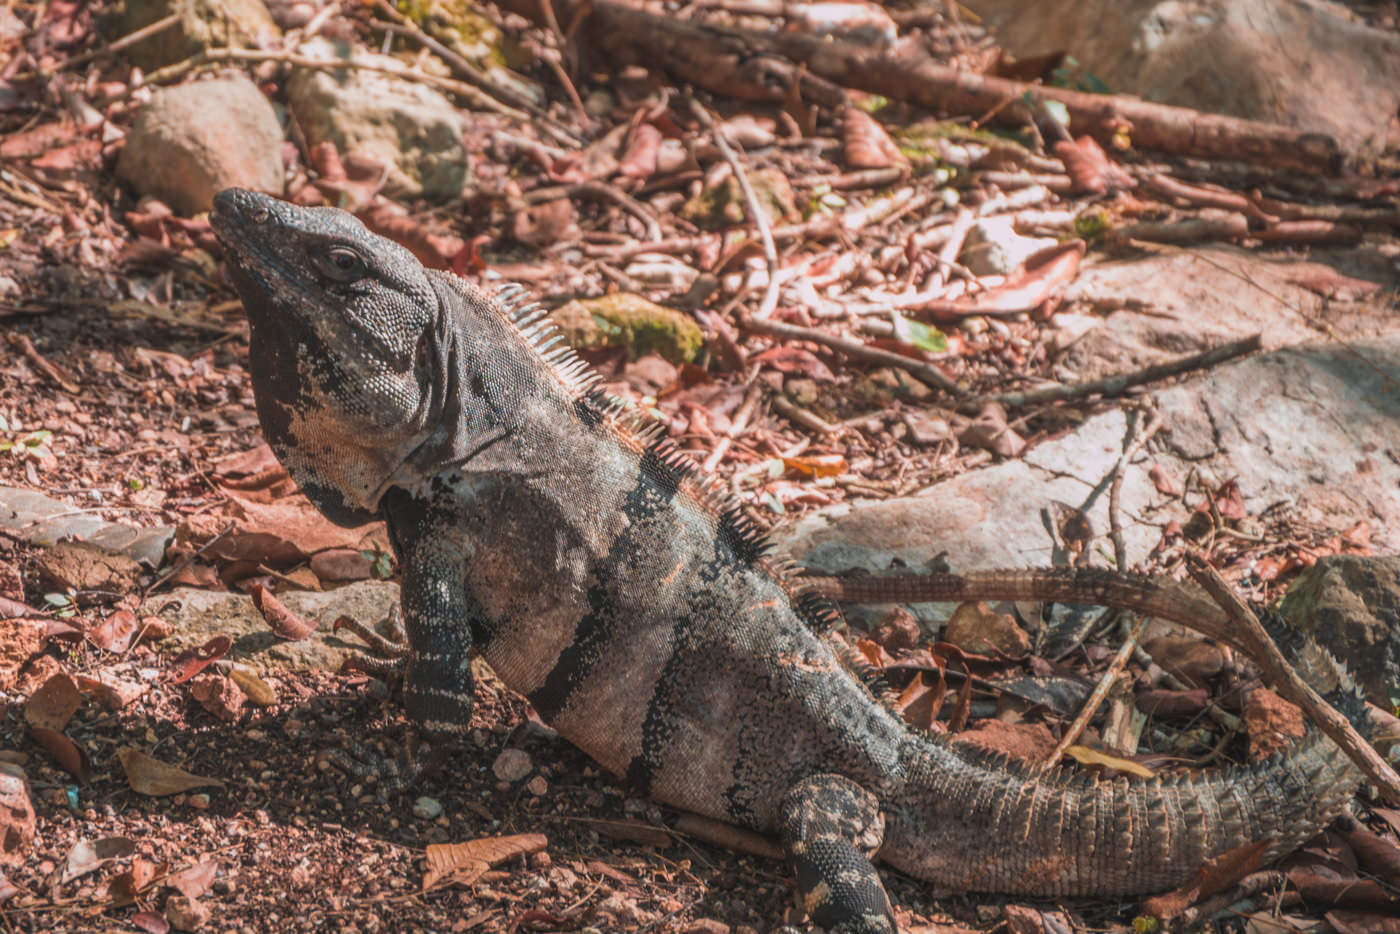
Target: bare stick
x,y
760,220
737,426
1113,385
924,372
1115,490
1280,674
1091,706
116,45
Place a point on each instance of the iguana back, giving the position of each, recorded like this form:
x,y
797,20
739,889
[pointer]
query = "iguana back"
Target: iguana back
x,y
607,580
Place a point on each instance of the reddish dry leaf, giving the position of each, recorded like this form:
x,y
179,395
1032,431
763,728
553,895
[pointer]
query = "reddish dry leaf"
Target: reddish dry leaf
x,y
1089,167
116,632
192,661
8,889
1363,922
1163,480
639,159
866,144
149,776
1359,536
282,621
1159,702
795,361
1023,919
88,855
126,887
1187,658
1340,891
150,922
463,863
1216,875
1086,756
433,250
194,881
1271,722
70,757
1379,856
53,705
1391,817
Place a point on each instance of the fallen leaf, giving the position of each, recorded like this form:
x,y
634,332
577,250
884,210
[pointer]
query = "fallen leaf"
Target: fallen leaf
x,y
866,144
817,465
1359,922
1379,856
53,705
1086,756
148,776
150,922
463,863
70,757
195,880
126,887
194,660
111,692
633,831
259,692
88,855
282,621
1089,167
639,158
116,632
1218,873
795,361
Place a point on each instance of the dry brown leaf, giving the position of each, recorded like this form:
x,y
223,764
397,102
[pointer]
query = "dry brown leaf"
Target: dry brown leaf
x,y
260,693
194,660
1379,856
194,881
633,831
16,818
87,855
463,863
282,621
70,757
817,465
149,776
1086,756
116,632
1218,874
53,705
866,144
639,159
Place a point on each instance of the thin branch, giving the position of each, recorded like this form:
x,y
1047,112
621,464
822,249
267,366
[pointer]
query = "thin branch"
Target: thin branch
x,y
760,220
924,372
737,426
1091,706
1276,670
1113,385
1115,490
116,45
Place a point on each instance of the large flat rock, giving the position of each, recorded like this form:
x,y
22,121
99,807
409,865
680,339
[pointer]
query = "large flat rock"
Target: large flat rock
x,y
1315,428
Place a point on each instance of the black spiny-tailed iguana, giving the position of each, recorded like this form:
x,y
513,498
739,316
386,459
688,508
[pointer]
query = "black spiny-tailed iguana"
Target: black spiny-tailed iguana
x,y
604,578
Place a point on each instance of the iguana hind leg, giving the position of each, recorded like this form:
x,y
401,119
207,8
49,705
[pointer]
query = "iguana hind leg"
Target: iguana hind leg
x,y
830,827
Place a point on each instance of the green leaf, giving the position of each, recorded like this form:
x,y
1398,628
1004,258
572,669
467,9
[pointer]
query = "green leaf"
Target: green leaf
x,y
874,103
58,599
36,438
917,334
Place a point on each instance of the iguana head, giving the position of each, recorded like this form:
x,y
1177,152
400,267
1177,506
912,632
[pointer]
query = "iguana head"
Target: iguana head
x,y
345,331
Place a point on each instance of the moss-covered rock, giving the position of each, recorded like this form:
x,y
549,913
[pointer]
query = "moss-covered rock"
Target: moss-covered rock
x,y
626,320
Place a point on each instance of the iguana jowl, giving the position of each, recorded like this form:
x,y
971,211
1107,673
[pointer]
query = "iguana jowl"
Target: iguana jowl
x,y
604,578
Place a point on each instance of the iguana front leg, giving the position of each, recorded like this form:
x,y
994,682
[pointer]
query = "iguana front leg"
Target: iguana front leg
x,y
830,827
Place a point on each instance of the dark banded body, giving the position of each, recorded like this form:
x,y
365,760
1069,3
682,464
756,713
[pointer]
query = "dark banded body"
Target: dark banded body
x,y
604,578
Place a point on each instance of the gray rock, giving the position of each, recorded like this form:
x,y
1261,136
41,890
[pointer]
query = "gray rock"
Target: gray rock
x,y
1302,63
203,24
199,615
412,128
39,520
1313,427
1352,605
1169,305
192,140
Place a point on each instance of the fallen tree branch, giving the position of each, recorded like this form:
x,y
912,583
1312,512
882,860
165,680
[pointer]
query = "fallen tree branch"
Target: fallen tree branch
x,y
759,66
1250,633
1113,385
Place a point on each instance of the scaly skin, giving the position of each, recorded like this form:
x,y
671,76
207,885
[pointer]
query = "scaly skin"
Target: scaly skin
x,y
602,577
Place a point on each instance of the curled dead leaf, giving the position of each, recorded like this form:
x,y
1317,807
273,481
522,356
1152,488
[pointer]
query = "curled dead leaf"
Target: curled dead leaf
x,y
1086,756
282,621
116,632
463,863
192,661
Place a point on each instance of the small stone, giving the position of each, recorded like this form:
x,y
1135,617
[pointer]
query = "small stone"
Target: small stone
x,y
16,816
927,429
200,802
897,631
537,785
219,695
512,765
705,926
426,808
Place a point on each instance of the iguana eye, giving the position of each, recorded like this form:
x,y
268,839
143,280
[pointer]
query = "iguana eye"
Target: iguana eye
x,y
340,263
